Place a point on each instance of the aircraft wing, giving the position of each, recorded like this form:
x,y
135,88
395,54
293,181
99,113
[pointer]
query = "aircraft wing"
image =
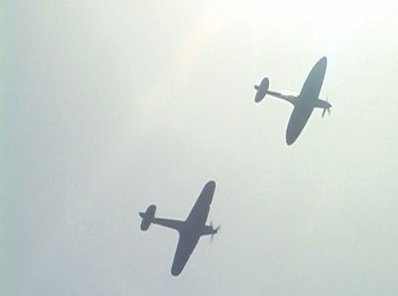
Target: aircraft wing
x,y
200,210
297,121
313,83
186,244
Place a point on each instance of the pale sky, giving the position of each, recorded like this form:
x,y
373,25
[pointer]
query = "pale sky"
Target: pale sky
x,y
110,106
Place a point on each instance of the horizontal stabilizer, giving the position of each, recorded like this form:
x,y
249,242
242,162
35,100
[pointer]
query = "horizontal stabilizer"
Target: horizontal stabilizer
x,y
147,217
261,90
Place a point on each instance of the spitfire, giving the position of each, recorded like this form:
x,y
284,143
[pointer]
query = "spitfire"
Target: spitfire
x,y
304,103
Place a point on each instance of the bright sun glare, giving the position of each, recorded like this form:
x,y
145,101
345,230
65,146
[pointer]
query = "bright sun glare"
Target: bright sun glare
x,y
335,22
332,22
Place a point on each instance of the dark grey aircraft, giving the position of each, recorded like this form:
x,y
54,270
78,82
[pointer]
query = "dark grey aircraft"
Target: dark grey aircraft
x,y
190,230
304,103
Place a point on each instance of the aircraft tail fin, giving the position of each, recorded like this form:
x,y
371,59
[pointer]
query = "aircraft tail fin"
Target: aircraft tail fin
x,y
147,217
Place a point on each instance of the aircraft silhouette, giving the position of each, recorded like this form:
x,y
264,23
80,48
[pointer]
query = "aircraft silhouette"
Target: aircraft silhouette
x,y
304,103
189,230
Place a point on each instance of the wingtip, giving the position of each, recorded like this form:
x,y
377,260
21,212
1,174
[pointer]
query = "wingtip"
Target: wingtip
x,y
175,271
258,99
290,141
175,274
211,183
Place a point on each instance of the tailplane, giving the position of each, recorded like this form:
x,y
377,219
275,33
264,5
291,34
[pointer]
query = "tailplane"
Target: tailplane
x,y
261,90
147,217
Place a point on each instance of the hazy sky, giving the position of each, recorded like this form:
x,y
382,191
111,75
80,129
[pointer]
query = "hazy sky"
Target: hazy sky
x,y
109,106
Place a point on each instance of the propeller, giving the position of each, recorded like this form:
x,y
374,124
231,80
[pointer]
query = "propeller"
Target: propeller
x,y
326,108
215,230
324,111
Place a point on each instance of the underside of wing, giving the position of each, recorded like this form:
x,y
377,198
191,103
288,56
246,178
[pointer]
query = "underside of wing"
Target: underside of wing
x,y
297,121
185,247
313,83
200,210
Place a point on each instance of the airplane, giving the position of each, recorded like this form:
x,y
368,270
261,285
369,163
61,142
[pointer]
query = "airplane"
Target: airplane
x,y
304,103
189,230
